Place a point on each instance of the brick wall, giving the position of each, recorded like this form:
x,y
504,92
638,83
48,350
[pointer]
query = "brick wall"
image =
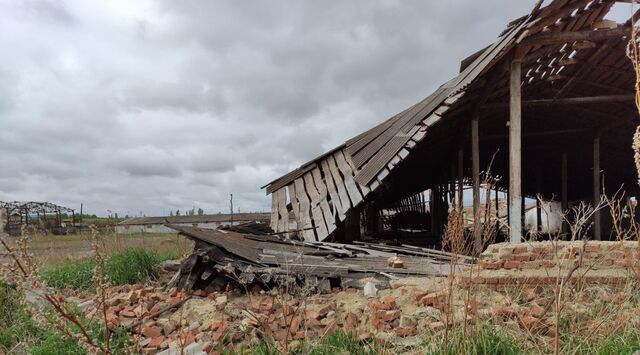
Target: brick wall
x,y
543,255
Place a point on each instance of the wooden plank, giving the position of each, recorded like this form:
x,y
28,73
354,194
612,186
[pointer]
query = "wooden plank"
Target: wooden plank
x,y
364,188
310,186
274,212
545,38
305,210
345,203
329,217
319,222
333,192
319,182
373,167
316,211
295,204
350,184
283,220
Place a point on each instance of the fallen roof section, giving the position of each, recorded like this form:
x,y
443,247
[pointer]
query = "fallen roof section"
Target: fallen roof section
x,y
223,256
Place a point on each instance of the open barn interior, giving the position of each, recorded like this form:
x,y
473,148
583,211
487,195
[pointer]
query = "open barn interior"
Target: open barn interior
x,y
545,116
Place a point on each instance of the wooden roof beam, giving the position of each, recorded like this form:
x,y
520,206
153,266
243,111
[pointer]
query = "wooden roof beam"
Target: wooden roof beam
x,y
548,38
568,101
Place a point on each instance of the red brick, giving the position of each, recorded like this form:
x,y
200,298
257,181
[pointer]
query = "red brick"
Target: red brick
x,y
377,305
536,310
311,314
520,250
326,309
505,312
417,295
523,257
511,265
390,301
490,265
592,248
151,332
542,250
404,332
387,316
127,313
155,342
295,325
351,322
217,336
532,324
188,338
433,299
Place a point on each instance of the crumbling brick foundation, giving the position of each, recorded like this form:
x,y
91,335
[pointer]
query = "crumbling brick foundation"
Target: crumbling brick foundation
x,y
544,263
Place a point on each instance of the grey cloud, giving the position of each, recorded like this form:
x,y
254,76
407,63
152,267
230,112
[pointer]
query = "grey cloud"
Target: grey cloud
x,y
149,106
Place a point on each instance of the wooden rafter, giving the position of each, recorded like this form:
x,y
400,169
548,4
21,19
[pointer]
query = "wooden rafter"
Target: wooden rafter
x,y
548,38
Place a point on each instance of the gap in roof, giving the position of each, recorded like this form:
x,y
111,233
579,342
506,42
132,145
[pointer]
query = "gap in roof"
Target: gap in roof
x,y
620,12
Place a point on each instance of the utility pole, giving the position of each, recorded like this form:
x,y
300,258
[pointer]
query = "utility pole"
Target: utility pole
x,y
231,201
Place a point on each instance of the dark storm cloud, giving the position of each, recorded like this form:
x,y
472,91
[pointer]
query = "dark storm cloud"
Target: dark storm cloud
x,y
149,106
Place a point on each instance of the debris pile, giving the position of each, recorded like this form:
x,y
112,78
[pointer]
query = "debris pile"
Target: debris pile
x,y
248,257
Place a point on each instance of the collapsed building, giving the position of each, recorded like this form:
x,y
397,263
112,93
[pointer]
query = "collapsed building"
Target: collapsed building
x,y
546,110
42,216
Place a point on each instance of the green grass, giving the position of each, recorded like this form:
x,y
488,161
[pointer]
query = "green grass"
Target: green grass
x,y
78,274
130,266
17,327
337,342
15,324
621,343
486,341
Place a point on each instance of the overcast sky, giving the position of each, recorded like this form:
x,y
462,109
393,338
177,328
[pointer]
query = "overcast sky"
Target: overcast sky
x,y
150,106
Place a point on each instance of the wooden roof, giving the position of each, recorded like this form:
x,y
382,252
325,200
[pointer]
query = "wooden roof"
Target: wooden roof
x,y
568,51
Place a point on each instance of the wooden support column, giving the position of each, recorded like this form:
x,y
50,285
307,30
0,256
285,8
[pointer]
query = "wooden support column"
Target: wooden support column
x,y
538,202
460,178
515,153
475,166
597,226
563,192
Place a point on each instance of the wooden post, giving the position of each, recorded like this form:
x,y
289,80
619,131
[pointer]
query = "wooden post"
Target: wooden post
x,y
515,153
460,178
538,202
563,193
475,166
597,227
497,211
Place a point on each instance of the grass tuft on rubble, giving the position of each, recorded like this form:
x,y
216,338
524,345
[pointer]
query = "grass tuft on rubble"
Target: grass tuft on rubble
x,y
15,324
337,342
621,343
18,331
129,266
486,341
77,274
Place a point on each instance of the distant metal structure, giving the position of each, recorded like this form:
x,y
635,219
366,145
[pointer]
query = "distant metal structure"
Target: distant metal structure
x,y
44,216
